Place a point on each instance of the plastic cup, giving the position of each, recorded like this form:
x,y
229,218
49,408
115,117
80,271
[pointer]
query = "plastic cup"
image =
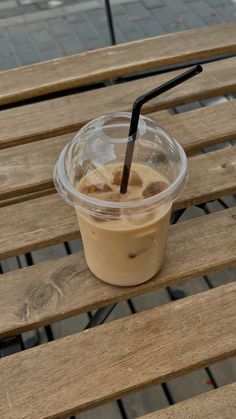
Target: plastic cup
x,y
124,240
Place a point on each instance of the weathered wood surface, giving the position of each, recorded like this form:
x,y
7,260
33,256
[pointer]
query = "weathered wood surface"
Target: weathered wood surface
x,y
118,357
186,386
208,175
217,404
90,67
58,289
27,169
66,114
206,126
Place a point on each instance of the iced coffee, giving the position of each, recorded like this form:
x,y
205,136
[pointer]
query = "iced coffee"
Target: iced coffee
x,y
124,234
125,240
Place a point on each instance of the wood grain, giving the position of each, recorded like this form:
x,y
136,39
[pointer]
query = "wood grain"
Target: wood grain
x,y
216,404
89,67
61,288
41,222
62,115
101,364
208,175
28,168
34,224
206,126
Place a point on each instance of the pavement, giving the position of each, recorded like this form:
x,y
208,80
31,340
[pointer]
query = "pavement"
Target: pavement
x,y
39,30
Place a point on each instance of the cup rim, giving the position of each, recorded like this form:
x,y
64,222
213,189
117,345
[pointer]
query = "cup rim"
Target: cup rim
x,y
59,172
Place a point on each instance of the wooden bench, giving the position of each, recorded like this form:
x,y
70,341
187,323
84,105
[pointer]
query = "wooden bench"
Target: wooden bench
x,y
95,366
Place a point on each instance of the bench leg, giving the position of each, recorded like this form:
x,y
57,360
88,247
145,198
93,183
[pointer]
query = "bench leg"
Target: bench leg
x,y
110,22
100,316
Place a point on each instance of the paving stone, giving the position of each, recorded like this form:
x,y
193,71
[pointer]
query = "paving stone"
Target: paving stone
x,y
43,41
45,14
85,31
59,27
187,107
191,1
120,38
23,2
27,54
103,34
192,20
75,17
117,10
126,24
119,2
5,48
70,45
8,5
35,27
151,4
177,6
98,19
8,62
45,5
17,11
3,33
227,12
137,10
165,16
151,27
70,2
214,20
96,15
50,54
134,36
17,34
217,147
96,43
202,9
213,101
81,7
176,27
214,3
12,21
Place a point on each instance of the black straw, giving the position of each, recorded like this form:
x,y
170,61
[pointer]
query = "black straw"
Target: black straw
x,y
138,103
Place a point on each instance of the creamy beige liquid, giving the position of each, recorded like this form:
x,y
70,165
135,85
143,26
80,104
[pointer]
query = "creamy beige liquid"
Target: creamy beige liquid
x,y
129,248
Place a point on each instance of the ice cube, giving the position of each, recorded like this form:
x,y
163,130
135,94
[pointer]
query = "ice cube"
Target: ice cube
x,y
154,188
134,178
96,188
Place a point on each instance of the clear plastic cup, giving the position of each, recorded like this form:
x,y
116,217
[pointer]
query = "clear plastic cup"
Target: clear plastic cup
x,y
124,239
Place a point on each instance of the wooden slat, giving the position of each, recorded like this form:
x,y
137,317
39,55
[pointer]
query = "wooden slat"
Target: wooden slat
x,y
48,220
32,164
59,116
94,66
86,369
206,126
28,168
26,197
216,404
210,176
54,290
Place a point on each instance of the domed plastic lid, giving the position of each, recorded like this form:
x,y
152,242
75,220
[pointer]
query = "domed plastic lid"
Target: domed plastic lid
x,y
103,141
